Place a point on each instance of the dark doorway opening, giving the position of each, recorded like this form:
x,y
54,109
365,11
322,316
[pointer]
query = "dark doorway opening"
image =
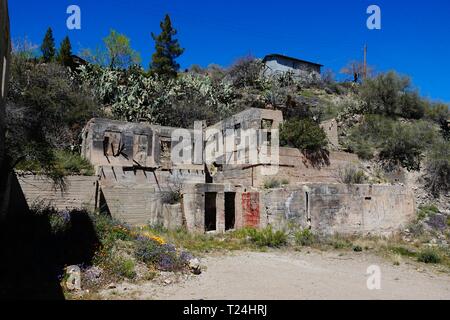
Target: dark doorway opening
x,y
210,211
230,212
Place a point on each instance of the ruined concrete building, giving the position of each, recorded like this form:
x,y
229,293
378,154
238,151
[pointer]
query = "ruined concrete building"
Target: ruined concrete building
x,y
278,64
139,182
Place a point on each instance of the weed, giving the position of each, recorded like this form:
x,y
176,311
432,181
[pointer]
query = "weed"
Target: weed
x,y
304,237
429,255
266,237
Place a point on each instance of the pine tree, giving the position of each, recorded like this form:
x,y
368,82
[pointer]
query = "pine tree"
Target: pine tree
x,y
48,46
65,53
167,50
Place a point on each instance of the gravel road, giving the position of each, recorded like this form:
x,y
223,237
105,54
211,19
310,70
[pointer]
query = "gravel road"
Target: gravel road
x,y
295,275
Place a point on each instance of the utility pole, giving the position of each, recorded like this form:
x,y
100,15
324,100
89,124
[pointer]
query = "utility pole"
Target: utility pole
x,y
365,61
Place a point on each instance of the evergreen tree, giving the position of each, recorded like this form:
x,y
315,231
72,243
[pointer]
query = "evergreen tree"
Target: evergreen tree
x,y
65,53
48,46
167,50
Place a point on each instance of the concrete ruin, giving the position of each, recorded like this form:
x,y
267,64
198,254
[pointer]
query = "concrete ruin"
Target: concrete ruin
x,y
138,182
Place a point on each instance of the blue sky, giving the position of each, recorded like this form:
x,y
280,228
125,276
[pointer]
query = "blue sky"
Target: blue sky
x,y
414,40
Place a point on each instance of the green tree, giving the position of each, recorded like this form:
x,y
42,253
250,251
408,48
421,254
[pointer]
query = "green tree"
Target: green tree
x,y
167,50
48,46
116,53
65,52
120,53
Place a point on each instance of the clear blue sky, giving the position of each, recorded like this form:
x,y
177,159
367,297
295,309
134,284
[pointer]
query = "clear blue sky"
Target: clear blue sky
x,y
414,40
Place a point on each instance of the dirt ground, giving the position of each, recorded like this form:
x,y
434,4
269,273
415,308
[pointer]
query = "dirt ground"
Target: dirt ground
x,y
293,275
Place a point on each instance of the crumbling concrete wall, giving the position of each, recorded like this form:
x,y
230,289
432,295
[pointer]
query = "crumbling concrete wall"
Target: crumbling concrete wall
x,y
238,124
138,196
294,168
331,129
339,208
79,192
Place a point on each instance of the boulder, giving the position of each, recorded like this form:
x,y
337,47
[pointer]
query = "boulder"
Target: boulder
x,y
73,282
194,266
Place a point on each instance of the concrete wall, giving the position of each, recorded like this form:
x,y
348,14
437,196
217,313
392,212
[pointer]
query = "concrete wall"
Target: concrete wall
x,y
331,129
294,168
137,196
79,192
339,208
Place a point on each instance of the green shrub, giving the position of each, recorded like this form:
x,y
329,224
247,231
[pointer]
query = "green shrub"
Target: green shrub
x,y
403,251
303,134
404,147
429,255
266,237
427,211
124,267
304,237
392,95
437,168
398,144
352,175
72,163
271,184
62,162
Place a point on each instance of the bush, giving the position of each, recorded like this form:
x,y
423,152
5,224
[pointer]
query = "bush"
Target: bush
x,y
46,110
266,237
437,168
273,183
403,251
124,267
172,197
247,72
404,147
392,95
163,256
397,143
303,134
427,211
63,163
304,237
429,255
352,175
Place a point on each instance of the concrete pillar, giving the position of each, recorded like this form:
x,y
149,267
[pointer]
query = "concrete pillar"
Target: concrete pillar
x,y
194,212
220,212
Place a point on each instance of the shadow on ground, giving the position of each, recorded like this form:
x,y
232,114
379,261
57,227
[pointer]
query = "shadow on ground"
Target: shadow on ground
x,y
32,254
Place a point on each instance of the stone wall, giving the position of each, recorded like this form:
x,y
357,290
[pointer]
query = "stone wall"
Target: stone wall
x,y
79,192
339,208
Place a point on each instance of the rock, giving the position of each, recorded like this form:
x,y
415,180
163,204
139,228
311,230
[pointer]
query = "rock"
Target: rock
x,y
167,281
112,286
194,266
73,282
93,274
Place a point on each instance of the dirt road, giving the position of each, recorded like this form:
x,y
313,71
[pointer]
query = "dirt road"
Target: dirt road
x,y
296,275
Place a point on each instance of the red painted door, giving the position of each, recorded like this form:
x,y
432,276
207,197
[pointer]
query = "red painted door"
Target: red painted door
x,y
250,209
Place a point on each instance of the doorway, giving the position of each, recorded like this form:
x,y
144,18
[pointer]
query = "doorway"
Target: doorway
x,y
210,211
230,212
